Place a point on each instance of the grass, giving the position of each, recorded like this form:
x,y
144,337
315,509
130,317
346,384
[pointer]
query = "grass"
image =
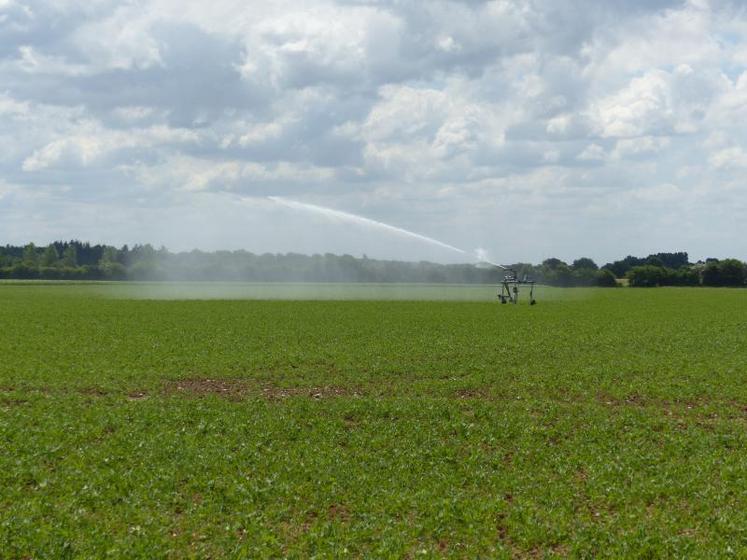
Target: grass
x,y
599,423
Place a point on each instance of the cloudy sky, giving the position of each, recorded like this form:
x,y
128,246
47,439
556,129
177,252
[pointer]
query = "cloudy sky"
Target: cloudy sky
x,y
530,128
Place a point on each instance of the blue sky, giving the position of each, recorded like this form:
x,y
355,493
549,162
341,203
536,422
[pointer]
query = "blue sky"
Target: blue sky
x,y
529,128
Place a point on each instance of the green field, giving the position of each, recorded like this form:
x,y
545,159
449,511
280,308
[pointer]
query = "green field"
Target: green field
x,y
599,423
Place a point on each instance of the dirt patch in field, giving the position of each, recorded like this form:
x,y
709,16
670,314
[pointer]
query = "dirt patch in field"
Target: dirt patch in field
x,y
238,389
338,512
636,400
228,388
471,394
325,392
43,390
8,401
629,400
11,402
93,392
98,392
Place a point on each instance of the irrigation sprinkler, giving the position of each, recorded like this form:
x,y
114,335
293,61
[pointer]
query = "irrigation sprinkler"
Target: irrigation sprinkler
x,y
509,291
509,288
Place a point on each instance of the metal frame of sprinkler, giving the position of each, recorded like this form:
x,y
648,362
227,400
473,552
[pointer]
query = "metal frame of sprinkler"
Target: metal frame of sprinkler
x,y
509,290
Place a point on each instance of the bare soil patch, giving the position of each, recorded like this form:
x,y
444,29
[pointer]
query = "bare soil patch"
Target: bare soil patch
x,y
238,389
11,402
339,512
471,394
327,391
228,388
93,392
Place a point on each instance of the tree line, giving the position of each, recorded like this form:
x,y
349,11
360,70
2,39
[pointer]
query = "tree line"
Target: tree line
x,y
711,272
76,260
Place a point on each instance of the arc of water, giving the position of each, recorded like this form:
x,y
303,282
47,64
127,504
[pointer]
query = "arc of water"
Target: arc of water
x,y
360,220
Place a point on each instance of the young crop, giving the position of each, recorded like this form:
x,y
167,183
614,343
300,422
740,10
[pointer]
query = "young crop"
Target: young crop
x,y
599,423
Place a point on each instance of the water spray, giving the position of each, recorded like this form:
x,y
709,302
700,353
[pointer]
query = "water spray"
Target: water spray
x,y
360,220
509,290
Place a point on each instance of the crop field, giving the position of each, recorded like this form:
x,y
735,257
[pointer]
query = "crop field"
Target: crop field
x,y
180,423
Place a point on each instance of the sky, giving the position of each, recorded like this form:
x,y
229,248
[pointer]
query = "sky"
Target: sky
x,y
530,129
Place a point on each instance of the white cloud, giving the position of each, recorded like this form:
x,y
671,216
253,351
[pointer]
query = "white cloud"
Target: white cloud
x,y
10,107
592,152
195,174
298,48
637,147
644,106
33,62
418,132
658,193
124,40
729,158
679,35
447,116
90,142
133,113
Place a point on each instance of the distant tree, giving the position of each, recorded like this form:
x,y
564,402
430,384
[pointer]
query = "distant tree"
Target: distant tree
x,y
727,272
142,253
685,276
646,276
654,260
605,278
30,257
584,263
81,260
109,265
553,263
711,273
50,257
23,270
557,273
51,272
70,256
670,260
620,268
733,272
108,256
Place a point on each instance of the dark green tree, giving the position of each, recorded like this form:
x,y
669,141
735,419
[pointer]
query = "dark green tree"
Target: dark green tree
x,y
109,265
50,257
727,272
70,256
605,278
620,268
552,263
584,263
646,276
30,256
670,260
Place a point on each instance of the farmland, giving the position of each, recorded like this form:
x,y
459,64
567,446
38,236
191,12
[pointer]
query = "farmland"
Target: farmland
x,y
148,422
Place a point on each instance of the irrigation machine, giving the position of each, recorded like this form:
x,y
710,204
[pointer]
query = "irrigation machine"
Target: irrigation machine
x,y
509,289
